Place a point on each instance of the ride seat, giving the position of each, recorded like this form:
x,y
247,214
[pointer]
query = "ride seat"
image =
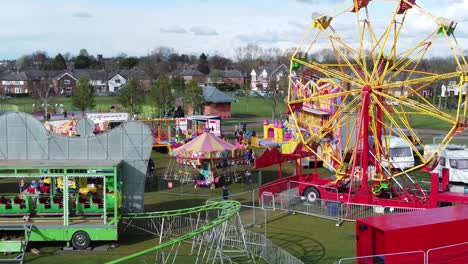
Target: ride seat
x,y
99,202
21,202
58,200
45,201
405,6
6,202
84,200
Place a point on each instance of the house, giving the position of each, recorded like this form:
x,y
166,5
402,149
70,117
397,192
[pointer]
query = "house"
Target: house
x,y
41,83
64,82
14,82
216,102
97,78
453,89
233,77
116,81
266,74
144,78
194,75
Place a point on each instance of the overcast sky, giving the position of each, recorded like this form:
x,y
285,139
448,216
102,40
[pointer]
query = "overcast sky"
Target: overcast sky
x,y
134,27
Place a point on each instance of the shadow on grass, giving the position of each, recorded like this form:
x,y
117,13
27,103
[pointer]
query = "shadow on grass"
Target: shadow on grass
x,y
302,246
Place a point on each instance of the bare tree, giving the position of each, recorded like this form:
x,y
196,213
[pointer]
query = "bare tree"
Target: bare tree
x,y
44,92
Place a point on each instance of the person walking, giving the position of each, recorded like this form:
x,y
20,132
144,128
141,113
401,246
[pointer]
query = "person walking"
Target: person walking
x,y
225,192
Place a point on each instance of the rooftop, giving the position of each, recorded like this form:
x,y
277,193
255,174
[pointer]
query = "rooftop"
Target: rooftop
x,y
418,218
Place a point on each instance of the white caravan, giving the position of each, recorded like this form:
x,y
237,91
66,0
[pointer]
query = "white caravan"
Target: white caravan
x,y
455,158
401,153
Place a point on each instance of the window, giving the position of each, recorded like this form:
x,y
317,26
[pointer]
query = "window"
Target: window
x,y
66,82
117,81
442,162
400,152
461,164
17,90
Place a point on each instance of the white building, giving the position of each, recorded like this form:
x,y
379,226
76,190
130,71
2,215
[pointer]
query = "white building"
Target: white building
x,y
453,89
116,82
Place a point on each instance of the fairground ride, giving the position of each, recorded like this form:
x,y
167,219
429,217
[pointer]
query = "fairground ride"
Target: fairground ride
x,y
349,107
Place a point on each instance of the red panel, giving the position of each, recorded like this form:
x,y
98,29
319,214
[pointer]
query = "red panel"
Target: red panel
x,y
418,218
364,241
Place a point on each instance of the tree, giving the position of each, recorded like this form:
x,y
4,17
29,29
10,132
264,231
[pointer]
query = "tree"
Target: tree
x,y
83,95
35,61
161,94
216,76
129,63
193,96
219,62
132,95
203,66
58,63
178,84
279,88
83,60
44,93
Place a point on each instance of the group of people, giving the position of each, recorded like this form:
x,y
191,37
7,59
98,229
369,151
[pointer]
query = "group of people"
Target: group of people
x,y
34,187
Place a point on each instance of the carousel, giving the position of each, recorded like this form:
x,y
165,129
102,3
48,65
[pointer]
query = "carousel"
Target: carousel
x,y
206,161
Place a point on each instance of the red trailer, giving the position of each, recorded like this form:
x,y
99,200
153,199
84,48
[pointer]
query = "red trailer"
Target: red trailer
x,y
416,231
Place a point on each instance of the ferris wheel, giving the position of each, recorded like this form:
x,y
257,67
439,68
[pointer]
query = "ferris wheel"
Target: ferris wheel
x,y
356,108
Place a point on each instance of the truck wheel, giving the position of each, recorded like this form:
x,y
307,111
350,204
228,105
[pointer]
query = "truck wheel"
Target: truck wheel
x,y
312,195
81,240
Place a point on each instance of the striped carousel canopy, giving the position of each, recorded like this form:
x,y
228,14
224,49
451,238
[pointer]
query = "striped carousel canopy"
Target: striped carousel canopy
x,y
205,146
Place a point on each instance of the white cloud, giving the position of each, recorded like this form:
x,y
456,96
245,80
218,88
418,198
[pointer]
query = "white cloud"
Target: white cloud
x,y
43,25
203,31
173,29
82,14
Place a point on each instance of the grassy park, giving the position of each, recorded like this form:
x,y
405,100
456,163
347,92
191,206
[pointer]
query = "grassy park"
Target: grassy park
x,y
313,240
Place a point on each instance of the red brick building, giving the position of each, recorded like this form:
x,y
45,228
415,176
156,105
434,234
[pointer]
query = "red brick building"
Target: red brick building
x,y
193,75
216,102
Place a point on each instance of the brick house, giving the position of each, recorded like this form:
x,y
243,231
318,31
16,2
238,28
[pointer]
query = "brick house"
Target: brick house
x,y
41,82
64,83
14,82
194,75
233,77
216,102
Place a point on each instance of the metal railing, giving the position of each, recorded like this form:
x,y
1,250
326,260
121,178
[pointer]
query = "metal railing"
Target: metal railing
x,y
455,253
411,257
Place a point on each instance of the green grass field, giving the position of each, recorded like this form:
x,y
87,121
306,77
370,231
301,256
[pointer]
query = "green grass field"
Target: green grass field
x,y
311,239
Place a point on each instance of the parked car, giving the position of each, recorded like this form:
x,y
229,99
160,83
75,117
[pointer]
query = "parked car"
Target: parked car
x,y
4,97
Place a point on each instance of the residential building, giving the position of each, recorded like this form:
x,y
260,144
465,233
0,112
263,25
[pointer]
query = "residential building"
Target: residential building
x,y
97,78
14,82
64,82
453,89
41,83
194,75
116,81
233,77
262,77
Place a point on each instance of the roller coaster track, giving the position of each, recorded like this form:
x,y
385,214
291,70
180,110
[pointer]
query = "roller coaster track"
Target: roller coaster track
x,y
225,211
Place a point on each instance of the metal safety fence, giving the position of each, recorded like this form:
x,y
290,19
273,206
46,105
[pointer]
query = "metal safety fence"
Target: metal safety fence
x,y
235,240
412,257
